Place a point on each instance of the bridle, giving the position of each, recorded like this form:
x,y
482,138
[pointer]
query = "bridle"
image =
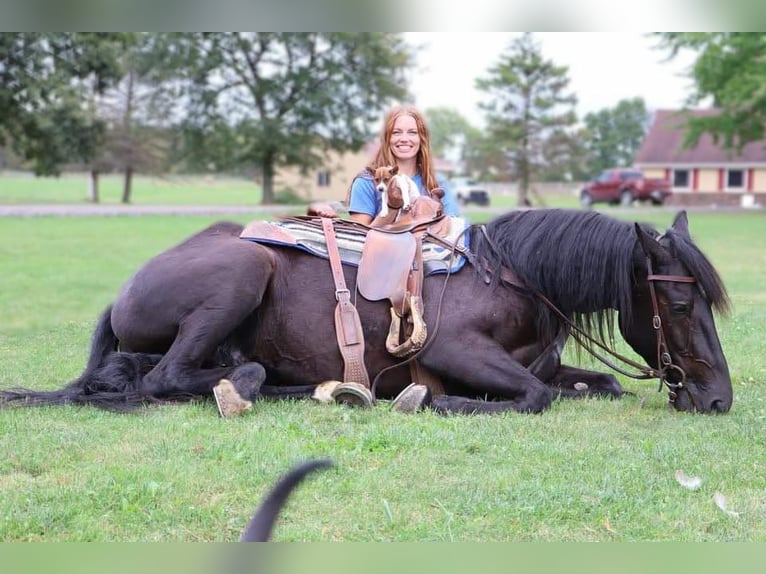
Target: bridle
x,y
664,360
665,363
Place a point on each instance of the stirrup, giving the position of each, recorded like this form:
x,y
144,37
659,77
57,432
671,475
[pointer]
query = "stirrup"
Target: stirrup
x,y
354,394
413,398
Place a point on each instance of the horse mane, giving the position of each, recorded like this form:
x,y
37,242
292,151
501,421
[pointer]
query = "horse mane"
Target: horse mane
x,y
580,260
583,262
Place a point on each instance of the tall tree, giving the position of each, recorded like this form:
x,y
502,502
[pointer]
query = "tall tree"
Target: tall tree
x,y
138,112
42,77
564,156
483,157
528,102
449,130
288,98
731,70
613,135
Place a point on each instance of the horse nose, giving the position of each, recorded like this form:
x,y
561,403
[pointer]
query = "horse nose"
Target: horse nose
x,y
720,406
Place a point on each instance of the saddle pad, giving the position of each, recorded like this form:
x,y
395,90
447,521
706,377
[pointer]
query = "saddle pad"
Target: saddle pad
x,y
310,238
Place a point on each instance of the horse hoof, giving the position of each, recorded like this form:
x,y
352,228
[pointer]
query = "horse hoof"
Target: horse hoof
x,y
323,391
354,394
412,398
228,400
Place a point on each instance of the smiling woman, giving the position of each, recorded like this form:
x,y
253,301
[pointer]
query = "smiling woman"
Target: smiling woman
x,y
404,143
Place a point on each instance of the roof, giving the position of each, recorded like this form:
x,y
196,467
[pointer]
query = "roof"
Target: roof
x,y
663,143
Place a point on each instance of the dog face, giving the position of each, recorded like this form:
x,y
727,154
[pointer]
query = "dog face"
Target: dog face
x,y
383,175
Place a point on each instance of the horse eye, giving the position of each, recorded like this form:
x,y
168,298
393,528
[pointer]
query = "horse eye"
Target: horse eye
x,y
680,308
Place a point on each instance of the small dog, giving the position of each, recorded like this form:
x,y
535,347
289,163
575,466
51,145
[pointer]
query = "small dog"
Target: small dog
x,y
399,190
262,523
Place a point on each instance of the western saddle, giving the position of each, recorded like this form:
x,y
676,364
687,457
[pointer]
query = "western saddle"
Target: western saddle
x,y
391,267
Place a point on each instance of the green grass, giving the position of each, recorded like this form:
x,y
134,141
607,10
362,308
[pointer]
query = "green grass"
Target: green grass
x,y
19,188
584,470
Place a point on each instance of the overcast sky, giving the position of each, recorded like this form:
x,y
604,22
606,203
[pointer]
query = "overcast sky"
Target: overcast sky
x,y
604,67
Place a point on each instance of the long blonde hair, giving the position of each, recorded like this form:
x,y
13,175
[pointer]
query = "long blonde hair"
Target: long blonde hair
x,y
424,162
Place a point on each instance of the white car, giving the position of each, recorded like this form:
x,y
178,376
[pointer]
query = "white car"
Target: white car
x,y
469,190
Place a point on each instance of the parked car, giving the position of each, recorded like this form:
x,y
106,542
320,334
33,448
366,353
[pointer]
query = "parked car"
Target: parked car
x,y
469,191
623,186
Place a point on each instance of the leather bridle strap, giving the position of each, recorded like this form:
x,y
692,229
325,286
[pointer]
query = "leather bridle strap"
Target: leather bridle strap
x,y
348,327
664,360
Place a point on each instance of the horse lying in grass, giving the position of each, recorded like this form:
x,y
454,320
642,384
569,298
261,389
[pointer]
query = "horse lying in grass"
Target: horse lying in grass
x,y
217,306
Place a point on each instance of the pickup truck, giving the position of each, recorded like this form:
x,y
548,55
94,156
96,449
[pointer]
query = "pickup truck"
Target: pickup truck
x,y
623,186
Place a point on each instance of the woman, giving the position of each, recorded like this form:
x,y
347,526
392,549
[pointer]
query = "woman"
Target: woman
x,y
404,142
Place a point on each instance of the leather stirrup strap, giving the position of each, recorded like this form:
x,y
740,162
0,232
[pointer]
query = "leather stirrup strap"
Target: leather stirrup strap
x,y
348,327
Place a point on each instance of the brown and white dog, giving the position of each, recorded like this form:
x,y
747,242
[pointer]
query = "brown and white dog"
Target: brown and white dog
x,y
399,190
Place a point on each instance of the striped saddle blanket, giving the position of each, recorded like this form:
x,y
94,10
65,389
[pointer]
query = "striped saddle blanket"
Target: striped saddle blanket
x,y
306,234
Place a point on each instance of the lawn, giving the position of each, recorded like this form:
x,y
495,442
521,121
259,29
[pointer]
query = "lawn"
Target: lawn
x,y
590,470
72,188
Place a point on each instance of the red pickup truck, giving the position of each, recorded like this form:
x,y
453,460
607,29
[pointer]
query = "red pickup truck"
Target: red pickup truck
x,y
624,186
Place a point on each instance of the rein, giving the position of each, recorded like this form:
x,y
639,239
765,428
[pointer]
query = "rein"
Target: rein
x,y
664,360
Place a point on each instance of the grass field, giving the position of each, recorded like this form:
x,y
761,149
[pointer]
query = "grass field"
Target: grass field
x,y
18,188
585,470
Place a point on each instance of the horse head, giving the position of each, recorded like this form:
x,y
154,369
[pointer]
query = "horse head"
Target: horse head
x,y
671,322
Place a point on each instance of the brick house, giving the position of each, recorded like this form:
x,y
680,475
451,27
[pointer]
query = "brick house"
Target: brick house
x,y
331,181
706,173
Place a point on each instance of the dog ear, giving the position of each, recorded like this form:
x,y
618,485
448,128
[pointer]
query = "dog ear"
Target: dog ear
x,y
395,170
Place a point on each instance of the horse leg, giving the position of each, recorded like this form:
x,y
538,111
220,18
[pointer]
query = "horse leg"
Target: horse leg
x,y
492,372
203,332
180,372
572,382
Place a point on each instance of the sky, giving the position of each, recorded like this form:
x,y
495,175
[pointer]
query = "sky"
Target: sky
x,y
604,67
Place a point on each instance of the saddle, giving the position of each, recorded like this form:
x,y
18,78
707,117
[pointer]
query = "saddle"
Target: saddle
x,y
391,267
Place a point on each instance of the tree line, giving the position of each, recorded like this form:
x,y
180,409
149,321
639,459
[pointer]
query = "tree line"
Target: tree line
x,y
251,103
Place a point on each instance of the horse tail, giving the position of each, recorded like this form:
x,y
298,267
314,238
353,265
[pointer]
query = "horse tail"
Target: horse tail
x,y
102,343
110,380
261,524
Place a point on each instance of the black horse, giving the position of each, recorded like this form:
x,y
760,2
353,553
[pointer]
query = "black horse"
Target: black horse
x,y
216,306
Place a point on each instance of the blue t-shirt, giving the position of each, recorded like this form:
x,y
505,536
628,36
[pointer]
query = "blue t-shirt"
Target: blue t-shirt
x,y
366,199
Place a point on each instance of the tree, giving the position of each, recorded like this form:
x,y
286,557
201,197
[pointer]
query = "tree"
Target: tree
x,y
731,70
528,104
449,130
287,98
564,156
483,157
42,76
138,112
613,135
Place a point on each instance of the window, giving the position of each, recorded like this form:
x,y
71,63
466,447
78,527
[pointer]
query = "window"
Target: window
x,y
604,176
681,178
735,179
628,175
323,179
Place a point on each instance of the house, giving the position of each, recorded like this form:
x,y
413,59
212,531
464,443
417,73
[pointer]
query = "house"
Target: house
x,y
706,173
332,180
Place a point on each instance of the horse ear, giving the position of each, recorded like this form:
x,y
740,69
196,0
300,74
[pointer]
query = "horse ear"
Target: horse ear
x,y
681,224
650,245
